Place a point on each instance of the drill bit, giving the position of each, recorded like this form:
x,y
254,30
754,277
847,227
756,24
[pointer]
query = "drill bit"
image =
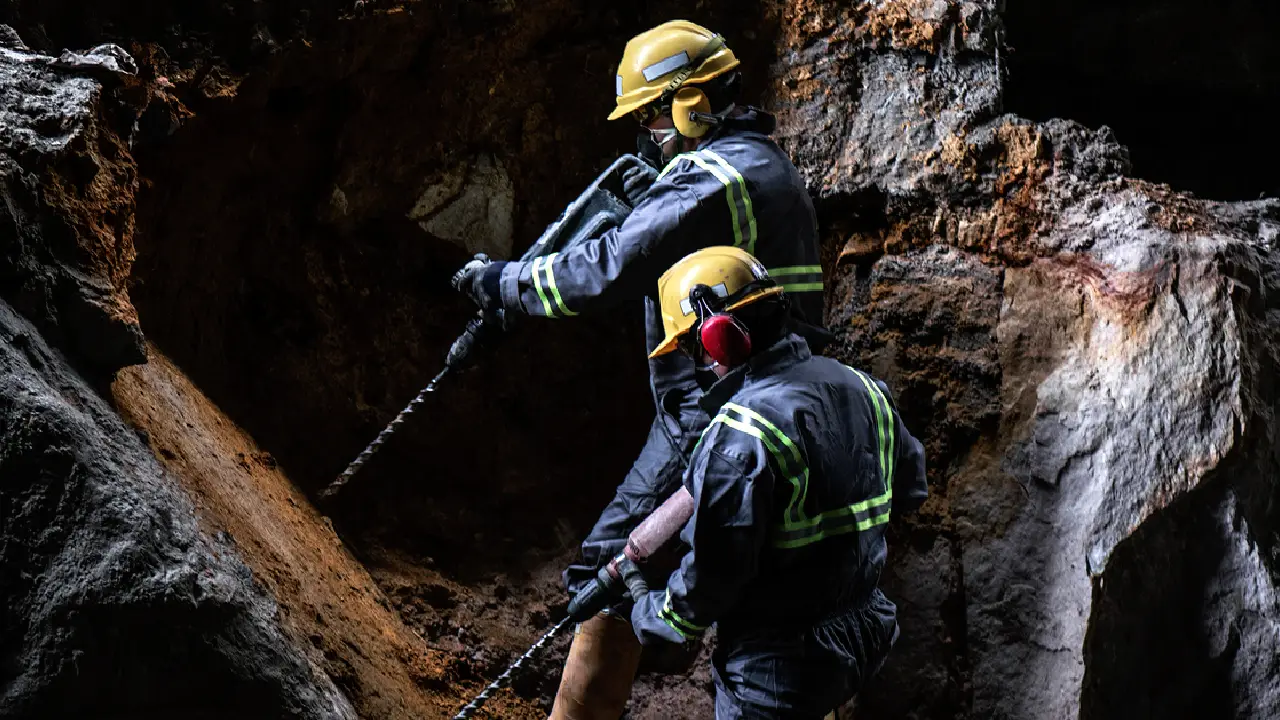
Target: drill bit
x,y
504,678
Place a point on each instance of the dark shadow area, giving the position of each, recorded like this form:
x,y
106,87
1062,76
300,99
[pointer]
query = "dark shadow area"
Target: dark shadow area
x,y
1146,653
1188,87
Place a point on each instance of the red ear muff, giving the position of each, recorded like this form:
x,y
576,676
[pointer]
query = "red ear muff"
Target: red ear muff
x,y
725,339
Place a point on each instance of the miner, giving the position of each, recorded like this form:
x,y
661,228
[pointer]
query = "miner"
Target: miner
x,y
723,181
793,482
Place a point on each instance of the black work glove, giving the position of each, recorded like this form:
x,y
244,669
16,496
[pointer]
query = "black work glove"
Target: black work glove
x,y
637,181
478,280
665,658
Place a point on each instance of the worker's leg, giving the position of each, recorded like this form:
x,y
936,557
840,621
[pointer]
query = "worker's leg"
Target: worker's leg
x,y
859,642
603,658
598,673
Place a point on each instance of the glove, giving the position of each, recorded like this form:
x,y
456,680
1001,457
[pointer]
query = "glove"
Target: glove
x,y
637,181
478,280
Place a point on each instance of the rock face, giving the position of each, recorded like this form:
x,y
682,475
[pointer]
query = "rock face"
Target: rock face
x,y
68,184
1089,359
115,604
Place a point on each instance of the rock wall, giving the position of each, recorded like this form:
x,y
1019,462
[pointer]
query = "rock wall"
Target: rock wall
x,y
1088,359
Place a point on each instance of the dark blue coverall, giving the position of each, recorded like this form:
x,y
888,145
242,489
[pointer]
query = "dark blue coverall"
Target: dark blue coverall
x,y
738,188
793,482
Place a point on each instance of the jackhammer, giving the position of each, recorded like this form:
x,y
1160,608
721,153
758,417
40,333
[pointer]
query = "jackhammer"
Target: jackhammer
x,y
601,206
622,576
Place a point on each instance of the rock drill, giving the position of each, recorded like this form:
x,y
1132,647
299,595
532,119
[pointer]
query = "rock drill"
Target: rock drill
x,y
621,577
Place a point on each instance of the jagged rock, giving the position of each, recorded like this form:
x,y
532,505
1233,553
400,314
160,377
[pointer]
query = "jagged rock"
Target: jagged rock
x,y
114,603
68,182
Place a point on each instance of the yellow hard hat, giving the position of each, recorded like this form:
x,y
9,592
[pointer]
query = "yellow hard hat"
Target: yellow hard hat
x,y
732,274
661,60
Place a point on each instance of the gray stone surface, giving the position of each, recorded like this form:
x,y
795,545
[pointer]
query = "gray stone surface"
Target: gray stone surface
x,y
114,603
66,198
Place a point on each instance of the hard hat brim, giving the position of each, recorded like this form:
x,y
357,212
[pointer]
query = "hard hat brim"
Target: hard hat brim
x,y
670,342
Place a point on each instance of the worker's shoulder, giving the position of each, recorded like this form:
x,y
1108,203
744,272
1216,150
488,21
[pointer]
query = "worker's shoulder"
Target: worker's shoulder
x,y
727,159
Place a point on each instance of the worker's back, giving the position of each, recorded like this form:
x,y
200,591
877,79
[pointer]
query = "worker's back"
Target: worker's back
x,y
751,196
836,445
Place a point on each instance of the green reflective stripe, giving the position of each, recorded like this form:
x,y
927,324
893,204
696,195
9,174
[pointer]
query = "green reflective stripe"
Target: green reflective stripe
x,y
728,194
798,473
677,623
836,522
743,196
555,292
873,395
795,270
537,285
801,287
859,516
889,431
672,165
798,480
798,278
741,210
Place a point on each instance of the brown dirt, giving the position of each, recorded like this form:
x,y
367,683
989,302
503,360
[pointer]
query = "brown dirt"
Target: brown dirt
x,y
327,600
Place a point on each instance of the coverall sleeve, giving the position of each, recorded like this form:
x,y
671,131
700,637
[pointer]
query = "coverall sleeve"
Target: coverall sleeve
x,y
732,494
910,484
627,260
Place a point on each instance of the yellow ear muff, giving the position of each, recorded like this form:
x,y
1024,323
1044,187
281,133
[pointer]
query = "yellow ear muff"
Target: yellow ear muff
x,y
690,100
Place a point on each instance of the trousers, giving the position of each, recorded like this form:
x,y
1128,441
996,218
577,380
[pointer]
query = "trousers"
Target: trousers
x,y
802,674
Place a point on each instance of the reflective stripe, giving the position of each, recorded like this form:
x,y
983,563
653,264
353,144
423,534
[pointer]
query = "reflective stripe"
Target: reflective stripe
x,y
543,265
619,83
744,197
795,469
862,515
741,211
555,292
798,278
796,530
665,65
537,285
673,620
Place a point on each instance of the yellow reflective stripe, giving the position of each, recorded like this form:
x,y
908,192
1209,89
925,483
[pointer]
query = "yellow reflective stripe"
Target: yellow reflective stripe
x,y
728,194
795,270
745,196
859,516
677,623
555,292
798,480
827,528
801,287
873,397
799,475
537,285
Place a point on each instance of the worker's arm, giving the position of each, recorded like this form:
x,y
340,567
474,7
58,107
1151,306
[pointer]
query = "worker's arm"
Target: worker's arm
x,y
732,488
910,486
626,260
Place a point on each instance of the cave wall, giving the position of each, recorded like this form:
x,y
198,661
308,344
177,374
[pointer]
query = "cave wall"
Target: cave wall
x,y
1084,354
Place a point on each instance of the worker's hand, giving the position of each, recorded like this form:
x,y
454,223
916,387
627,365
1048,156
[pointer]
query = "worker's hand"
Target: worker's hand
x,y
478,280
637,181
667,658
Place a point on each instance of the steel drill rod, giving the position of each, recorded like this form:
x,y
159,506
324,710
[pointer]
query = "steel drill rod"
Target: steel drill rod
x,y
504,678
368,452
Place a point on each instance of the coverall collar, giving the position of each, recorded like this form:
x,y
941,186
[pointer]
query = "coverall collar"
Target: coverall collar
x,y
750,119
788,351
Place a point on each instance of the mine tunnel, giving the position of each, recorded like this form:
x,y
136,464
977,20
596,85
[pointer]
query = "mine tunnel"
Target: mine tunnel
x,y
300,180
